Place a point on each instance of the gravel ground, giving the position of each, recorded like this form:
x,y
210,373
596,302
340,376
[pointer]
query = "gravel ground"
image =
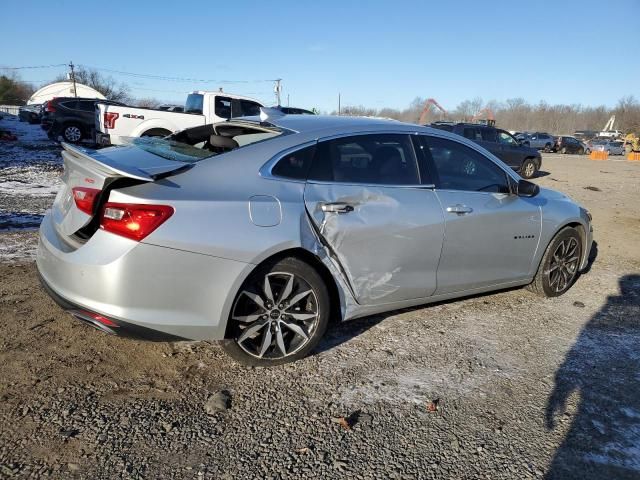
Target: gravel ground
x,y
498,386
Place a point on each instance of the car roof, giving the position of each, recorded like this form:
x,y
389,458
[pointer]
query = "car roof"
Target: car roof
x,y
311,123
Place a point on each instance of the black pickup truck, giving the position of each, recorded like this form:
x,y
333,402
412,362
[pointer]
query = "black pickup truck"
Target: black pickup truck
x,y
524,160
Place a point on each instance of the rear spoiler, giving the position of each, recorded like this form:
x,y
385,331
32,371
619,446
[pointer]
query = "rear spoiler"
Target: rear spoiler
x,y
120,162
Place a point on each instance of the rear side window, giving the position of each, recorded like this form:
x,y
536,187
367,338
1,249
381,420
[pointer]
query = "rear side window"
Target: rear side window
x,y
488,134
470,133
384,159
223,107
462,168
249,109
296,164
194,103
71,104
86,106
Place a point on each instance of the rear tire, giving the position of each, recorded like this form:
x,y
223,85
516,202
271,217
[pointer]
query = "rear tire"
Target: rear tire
x,y
547,148
560,264
580,151
528,168
72,133
279,315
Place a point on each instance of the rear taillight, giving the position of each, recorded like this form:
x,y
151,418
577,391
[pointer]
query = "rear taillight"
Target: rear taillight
x,y
85,198
50,107
110,119
134,221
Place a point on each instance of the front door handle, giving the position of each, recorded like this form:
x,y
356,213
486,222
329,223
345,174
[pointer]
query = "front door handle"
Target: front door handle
x,y
459,209
337,207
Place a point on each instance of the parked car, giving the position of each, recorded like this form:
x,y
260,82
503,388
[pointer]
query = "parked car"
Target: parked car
x,y
295,111
612,147
72,118
538,140
171,108
568,144
114,124
29,113
523,159
323,218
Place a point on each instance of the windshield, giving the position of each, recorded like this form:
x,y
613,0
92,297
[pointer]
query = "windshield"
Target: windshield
x,y
194,103
169,149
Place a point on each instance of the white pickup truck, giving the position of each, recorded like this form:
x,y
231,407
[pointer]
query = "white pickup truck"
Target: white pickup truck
x,y
116,123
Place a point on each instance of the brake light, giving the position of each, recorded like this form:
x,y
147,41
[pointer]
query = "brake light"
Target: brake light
x,y
110,119
50,107
134,221
85,198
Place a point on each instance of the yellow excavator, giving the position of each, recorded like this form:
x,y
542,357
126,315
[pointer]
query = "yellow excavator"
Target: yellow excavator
x,y
631,143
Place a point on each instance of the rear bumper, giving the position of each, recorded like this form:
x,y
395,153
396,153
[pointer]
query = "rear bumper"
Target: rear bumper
x,y
145,290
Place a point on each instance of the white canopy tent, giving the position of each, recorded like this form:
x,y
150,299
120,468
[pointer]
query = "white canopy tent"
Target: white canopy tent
x,y
63,89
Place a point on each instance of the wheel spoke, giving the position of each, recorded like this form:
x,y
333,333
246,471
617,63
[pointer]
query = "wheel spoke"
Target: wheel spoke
x,y
255,298
298,330
267,289
252,330
247,318
573,259
302,316
287,289
297,298
553,268
280,341
555,279
266,342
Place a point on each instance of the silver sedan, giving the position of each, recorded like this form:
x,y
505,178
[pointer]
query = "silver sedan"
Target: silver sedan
x,y
260,231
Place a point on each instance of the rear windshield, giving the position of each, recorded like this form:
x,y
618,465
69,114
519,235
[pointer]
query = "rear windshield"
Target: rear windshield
x,y
194,144
169,149
194,104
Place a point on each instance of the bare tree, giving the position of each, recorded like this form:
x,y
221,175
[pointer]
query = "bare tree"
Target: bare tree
x,y
13,91
107,86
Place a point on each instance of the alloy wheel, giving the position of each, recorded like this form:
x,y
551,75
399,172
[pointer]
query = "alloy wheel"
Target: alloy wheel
x,y
529,169
563,265
277,317
72,133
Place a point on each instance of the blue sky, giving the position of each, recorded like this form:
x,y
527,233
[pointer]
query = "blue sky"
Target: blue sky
x,y
374,53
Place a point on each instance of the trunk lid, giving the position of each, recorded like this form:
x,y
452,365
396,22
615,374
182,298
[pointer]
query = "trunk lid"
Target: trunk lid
x,y
96,170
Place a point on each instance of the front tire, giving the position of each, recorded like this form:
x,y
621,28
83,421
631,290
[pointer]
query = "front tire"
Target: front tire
x,y
580,151
560,264
279,315
528,168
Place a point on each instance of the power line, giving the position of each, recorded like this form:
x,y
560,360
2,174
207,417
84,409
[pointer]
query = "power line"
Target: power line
x,y
175,79
34,66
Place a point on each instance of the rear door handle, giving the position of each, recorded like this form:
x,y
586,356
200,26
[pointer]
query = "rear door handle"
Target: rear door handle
x,y
337,207
459,209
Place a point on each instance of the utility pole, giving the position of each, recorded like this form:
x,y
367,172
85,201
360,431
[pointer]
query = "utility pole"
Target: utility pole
x,y
338,104
277,88
73,79
287,99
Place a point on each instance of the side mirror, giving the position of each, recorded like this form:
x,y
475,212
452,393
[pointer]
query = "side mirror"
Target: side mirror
x,y
527,189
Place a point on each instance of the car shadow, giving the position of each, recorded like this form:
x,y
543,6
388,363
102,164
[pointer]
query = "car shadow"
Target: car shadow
x,y
602,369
541,173
341,332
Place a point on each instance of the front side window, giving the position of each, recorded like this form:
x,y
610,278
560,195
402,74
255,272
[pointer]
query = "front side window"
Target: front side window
x,y
506,139
462,168
223,107
383,159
